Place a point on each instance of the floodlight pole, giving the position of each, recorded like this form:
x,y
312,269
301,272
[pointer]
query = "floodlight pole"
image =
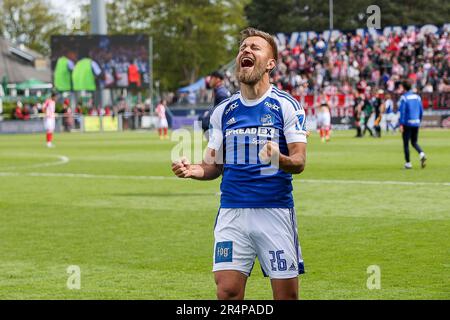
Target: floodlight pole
x,y
98,17
99,26
331,15
331,24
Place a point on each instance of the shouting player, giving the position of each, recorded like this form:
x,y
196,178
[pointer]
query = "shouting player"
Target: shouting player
x,y
257,141
49,120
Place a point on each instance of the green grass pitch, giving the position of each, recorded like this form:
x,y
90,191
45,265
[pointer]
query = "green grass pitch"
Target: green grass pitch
x,y
137,236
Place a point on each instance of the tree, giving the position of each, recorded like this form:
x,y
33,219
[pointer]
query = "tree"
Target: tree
x,y
30,22
191,37
194,37
303,15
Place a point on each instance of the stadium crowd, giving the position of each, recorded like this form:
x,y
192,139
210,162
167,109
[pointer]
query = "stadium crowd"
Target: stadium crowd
x,y
358,62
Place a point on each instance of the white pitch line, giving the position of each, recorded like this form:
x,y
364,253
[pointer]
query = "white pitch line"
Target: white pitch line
x,y
86,176
62,160
118,177
374,182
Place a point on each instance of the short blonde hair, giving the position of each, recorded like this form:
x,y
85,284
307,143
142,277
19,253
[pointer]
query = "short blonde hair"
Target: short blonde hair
x,y
252,32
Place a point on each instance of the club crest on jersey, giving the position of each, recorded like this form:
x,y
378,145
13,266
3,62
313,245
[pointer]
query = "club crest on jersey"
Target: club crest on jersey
x,y
267,120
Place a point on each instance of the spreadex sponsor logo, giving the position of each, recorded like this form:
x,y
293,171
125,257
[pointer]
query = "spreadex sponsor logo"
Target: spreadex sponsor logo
x,y
267,132
241,131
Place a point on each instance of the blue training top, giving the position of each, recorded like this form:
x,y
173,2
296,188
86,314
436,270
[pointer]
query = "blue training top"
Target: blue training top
x,y
411,109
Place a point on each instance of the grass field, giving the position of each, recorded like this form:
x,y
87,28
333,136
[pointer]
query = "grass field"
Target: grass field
x,y
97,201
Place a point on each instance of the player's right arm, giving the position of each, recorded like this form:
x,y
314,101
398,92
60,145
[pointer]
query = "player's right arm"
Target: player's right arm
x,y
212,164
402,110
207,170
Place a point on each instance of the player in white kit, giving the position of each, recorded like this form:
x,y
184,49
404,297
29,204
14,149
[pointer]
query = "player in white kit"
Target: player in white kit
x,y
324,122
162,120
257,141
49,109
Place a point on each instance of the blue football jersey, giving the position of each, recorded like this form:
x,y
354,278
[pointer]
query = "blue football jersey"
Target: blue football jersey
x,y
239,129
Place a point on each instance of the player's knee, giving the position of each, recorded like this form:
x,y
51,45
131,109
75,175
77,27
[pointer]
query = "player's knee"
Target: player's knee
x,y
285,289
229,292
288,295
230,285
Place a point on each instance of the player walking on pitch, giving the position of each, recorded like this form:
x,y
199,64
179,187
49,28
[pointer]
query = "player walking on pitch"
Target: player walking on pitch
x,y
411,112
324,122
256,216
49,120
162,120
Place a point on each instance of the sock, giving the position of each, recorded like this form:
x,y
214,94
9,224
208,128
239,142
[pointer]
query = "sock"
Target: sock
x,y
165,131
49,137
422,154
160,131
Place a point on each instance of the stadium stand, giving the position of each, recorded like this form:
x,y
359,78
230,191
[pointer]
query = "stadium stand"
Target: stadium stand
x,y
360,62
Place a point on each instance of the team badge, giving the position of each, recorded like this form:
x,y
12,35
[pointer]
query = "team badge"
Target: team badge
x,y
267,120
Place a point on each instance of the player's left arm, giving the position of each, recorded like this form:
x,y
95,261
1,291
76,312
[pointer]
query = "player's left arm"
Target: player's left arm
x,y
293,163
295,133
296,161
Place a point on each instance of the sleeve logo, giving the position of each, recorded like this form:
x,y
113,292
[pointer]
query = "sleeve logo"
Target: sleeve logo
x,y
301,124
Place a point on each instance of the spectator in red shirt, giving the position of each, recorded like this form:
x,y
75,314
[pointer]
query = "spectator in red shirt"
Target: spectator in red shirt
x,y
18,114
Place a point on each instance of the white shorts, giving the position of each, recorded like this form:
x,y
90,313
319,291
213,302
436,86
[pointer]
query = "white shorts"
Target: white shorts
x,y
270,234
323,122
49,124
162,123
390,117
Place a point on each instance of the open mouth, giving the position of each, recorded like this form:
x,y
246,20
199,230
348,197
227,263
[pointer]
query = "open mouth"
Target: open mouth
x,y
247,62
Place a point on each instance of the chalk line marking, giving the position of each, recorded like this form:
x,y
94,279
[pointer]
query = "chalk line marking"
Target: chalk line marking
x,y
119,177
61,160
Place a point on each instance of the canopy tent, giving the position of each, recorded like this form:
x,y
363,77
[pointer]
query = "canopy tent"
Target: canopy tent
x,y
199,84
33,84
19,63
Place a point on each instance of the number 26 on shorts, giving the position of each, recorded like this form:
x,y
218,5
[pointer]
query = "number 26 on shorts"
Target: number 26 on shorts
x,y
276,258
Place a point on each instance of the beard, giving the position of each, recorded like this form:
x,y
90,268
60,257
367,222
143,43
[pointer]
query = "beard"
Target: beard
x,y
250,77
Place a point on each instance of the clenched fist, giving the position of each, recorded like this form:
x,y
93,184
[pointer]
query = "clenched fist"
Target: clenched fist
x,y
182,168
269,152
